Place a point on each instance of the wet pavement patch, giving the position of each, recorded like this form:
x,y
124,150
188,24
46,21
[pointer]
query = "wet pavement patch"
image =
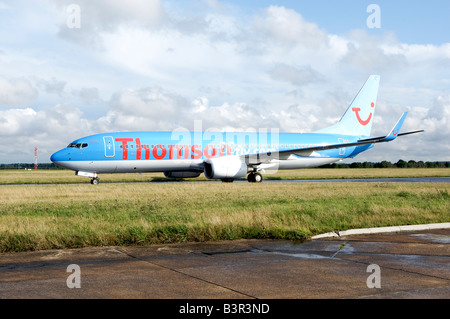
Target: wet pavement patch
x,y
445,239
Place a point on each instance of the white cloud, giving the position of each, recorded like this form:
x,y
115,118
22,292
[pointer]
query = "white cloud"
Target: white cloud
x,y
143,109
296,75
97,17
149,65
288,28
437,120
215,4
16,91
13,121
23,129
52,86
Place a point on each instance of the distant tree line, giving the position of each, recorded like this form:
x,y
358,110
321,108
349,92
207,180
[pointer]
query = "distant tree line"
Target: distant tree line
x,y
30,166
383,164
386,164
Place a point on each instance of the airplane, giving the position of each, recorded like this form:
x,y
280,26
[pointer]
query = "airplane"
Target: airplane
x,y
228,156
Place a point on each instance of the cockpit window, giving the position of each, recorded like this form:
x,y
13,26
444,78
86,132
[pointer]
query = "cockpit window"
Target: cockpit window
x,y
78,145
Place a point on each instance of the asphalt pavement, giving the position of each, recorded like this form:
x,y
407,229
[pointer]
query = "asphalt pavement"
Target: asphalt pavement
x,y
403,265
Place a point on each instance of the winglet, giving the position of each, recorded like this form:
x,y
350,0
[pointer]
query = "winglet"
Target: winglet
x,y
394,132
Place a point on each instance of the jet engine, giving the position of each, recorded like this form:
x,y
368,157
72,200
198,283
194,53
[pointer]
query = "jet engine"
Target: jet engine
x,y
225,168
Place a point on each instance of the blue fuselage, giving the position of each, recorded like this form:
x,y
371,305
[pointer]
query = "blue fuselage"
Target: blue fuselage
x,y
181,151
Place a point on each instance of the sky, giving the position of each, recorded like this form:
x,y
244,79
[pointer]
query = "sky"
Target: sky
x,y
72,68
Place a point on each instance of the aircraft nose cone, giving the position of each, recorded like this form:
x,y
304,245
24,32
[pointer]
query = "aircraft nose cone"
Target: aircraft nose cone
x,y
54,158
58,157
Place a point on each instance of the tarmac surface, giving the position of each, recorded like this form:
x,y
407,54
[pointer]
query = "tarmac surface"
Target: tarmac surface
x,y
268,180
405,265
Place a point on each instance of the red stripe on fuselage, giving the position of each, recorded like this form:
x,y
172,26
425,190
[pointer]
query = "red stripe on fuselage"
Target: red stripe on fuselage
x,y
178,151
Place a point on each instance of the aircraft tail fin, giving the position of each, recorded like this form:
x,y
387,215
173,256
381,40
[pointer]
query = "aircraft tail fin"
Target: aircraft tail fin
x,y
358,118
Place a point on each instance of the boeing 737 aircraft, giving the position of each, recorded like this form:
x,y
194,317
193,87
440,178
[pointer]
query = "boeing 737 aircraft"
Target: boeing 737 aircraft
x,y
228,155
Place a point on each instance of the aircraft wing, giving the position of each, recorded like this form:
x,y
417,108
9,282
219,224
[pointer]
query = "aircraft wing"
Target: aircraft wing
x,y
306,152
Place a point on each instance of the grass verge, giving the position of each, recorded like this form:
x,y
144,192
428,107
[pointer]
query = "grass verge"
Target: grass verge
x,y
72,216
8,177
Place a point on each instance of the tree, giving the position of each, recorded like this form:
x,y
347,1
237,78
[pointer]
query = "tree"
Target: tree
x,y
401,164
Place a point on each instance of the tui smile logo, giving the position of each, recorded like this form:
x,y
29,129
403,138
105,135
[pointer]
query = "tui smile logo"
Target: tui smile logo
x,y
358,117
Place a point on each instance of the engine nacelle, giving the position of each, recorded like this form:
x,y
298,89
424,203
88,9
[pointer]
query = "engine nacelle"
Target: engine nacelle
x,y
184,174
228,167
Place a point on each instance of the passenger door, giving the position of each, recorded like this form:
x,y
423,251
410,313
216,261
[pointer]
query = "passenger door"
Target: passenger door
x,y
109,146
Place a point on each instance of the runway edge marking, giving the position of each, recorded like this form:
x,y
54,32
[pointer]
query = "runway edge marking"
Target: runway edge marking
x,y
380,230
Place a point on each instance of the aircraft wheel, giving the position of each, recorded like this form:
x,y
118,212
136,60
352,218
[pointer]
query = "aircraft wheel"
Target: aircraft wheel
x,y
254,178
95,181
227,180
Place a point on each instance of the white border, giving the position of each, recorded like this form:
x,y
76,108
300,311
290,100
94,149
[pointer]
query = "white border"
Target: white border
x,y
380,230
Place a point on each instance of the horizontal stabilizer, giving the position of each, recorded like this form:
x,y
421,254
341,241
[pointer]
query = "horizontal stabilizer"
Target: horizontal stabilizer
x,y
411,132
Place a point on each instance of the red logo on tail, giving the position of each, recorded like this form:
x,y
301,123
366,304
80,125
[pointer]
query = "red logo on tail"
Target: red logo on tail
x,y
361,121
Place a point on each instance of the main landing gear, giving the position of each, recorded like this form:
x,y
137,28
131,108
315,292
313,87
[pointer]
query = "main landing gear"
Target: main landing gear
x,y
95,181
254,177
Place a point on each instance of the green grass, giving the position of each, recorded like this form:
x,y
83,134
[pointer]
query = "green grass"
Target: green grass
x,y
80,215
8,177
